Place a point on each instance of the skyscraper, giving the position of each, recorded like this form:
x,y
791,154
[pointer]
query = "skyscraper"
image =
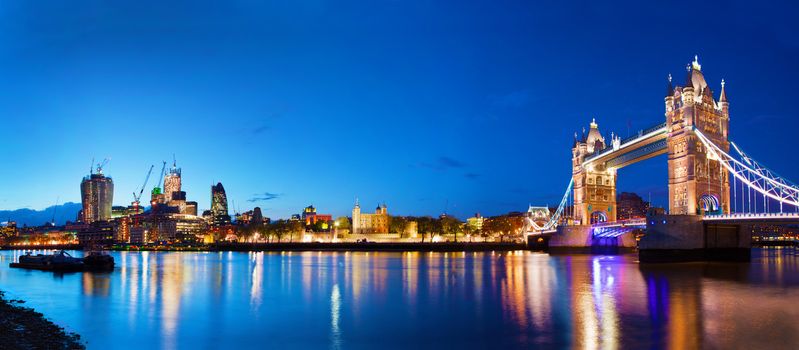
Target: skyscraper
x,y
97,195
219,213
172,182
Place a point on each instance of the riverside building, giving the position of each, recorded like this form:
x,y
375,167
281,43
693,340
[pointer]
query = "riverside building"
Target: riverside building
x,y
369,223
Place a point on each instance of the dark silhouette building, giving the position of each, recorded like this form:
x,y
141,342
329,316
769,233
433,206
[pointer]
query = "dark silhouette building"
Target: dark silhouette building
x,y
631,205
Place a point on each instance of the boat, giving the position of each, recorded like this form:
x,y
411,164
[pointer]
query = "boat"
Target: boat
x,y
63,261
98,261
60,261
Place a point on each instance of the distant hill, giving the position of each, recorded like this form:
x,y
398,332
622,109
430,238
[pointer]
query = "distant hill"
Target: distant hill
x,y
67,211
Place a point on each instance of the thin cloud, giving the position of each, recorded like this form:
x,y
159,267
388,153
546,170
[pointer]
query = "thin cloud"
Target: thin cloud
x,y
443,163
471,176
266,196
261,129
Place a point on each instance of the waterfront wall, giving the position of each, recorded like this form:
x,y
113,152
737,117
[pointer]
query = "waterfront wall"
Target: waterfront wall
x,y
675,238
372,246
579,238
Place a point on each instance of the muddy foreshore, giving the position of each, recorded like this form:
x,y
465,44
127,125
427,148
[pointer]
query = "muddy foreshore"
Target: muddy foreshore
x,y
24,328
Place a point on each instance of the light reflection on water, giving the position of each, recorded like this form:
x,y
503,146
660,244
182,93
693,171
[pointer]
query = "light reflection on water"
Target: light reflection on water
x,y
421,300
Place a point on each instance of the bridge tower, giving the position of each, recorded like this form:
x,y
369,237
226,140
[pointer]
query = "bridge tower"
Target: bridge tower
x,y
594,185
697,183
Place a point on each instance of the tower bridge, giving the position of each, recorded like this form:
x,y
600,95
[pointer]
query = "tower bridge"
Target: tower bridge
x,y
712,192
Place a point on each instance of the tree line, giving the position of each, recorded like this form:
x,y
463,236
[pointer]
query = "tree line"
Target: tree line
x,y
502,227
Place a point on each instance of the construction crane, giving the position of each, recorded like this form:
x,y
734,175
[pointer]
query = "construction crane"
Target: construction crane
x,y
55,207
101,165
137,198
157,188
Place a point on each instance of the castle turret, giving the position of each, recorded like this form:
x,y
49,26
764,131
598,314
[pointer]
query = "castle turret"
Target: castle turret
x,y
356,217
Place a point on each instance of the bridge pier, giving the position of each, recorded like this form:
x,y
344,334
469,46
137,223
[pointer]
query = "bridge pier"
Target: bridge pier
x,y
580,239
678,238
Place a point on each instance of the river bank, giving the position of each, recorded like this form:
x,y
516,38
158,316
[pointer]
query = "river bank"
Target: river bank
x,y
24,328
309,246
336,247
373,246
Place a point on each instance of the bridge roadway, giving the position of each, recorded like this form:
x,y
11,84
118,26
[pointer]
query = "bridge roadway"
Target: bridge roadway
x,y
645,144
765,218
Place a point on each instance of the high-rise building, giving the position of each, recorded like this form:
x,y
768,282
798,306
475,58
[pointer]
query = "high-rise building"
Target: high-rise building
x,y
97,195
172,183
219,212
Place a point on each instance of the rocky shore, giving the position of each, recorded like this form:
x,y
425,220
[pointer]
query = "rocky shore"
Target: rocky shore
x,y
23,328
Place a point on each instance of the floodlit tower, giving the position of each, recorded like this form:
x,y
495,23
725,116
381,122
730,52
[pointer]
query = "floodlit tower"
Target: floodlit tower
x,y
356,217
698,183
172,182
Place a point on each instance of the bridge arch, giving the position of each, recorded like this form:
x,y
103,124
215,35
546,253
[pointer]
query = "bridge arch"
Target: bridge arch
x,y
710,204
598,216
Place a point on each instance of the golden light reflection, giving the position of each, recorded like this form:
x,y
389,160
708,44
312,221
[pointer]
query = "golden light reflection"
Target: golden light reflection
x,y
335,315
540,282
255,280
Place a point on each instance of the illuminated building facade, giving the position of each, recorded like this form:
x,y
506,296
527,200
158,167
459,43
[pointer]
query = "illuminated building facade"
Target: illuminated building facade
x,y
697,183
172,184
173,228
100,233
476,222
97,196
369,223
219,211
311,217
594,186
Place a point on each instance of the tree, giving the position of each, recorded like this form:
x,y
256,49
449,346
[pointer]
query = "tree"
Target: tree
x,y
321,226
497,225
428,225
281,228
343,223
503,226
397,224
293,227
450,226
467,230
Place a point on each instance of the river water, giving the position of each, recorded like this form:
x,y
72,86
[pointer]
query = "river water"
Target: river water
x,y
356,300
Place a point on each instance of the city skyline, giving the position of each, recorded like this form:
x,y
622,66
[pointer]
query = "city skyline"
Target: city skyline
x,y
286,114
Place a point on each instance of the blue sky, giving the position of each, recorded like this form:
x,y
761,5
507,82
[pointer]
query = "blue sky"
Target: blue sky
x,y
427,106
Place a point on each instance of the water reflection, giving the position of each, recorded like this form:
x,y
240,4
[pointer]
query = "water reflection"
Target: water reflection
x,y
421,300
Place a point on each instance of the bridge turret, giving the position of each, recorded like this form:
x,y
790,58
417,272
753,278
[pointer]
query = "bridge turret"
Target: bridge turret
x,y
688,91
594,141
669,99
723,103
695,178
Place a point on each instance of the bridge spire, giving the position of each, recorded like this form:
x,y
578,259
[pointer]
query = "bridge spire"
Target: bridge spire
x,y
669,88
723,97
695,64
